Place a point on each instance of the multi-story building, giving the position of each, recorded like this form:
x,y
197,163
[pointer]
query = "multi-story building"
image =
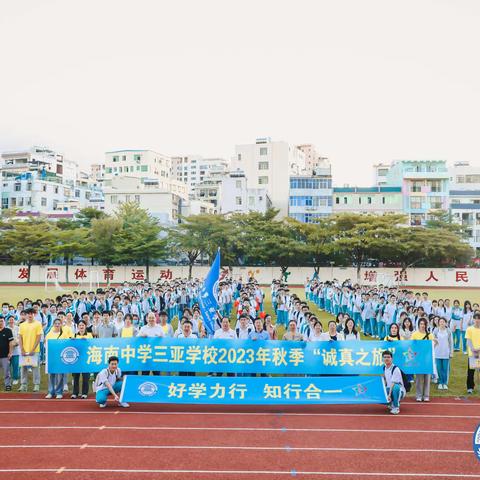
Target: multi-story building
x,y
381,172
465,200
310,196
40,159
193,169
160,203
269,165
313,160
97,172
425,187
368,200
237,197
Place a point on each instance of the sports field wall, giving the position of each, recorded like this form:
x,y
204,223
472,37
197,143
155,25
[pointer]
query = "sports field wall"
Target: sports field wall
x,y
86,275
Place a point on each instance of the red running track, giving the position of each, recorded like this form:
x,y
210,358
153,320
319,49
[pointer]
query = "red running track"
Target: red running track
x,y
73,439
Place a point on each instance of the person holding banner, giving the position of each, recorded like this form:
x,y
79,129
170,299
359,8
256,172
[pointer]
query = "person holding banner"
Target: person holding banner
x,y
109,382
473,343
394,383
30,333
422,381
81,334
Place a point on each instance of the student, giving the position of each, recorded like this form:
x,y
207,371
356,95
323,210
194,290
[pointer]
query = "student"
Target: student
x,y
332,334
56,381
350,331
406,329
14,366
443,352
109,382
422,381
456,325
270,327
472,336
128,330
467,321
316,335
394,383
81,334
393,333
6,352
29,333
167,327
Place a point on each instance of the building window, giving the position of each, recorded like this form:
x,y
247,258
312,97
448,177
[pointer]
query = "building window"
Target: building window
x,y
263,165
263,150
251,201
359,200
108,170
56,189
4,203
239,157
436,203
29,186
115,158
44,188
77,193
416,187
383,200
238,200
262,180
113,199
337,200
435,185
345,200
127,198
369,200
18,186
137,198
238,184
43,202
124,158
20,202
144,168
137,158
13,202
416,202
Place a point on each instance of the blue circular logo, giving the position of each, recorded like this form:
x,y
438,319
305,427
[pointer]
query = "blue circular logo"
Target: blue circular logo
x,y
476,442
147,389
69,355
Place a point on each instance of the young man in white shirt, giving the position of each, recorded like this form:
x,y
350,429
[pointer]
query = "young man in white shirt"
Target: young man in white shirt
x,y
394,382
225,331
109,382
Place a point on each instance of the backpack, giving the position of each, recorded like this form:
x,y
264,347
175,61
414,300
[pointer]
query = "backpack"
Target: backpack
x,y
406,381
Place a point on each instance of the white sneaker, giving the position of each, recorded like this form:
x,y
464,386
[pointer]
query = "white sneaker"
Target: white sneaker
x,y
65,388
470,391
49,396
124,404
84,396
426,399
445,387
23,388
59,397
15,382
36,388
418,399
102,405
440,386
395,411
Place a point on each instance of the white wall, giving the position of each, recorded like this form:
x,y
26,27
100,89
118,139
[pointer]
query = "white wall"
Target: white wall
x,y
415,277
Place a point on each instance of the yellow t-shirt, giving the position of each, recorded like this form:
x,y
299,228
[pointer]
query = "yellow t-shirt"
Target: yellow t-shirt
x,y
390,339
127,332
29,332
473,334
67,332
416,335
51,335
87,335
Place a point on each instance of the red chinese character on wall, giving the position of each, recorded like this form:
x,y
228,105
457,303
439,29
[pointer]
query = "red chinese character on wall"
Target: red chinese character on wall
x,y
52,273
80,273
431,277
23,272
400,275
461,276
138,274
108,273
370,276
166,274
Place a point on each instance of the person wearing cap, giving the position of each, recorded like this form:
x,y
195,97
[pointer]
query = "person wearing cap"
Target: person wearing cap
x,y
30,334
6,352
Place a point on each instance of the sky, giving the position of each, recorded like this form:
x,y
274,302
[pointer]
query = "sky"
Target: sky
x,y
365,81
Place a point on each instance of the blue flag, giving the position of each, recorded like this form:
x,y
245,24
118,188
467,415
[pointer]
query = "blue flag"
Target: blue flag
x,y
208,296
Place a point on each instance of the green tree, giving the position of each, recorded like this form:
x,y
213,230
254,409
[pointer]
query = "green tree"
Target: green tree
x,y
69,241
442,219
85,216
139,238
100,244
28,241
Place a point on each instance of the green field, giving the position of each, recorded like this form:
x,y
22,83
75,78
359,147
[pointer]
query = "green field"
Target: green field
x,y
457,385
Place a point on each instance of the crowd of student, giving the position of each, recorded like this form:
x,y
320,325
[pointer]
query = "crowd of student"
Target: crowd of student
x,y
147,310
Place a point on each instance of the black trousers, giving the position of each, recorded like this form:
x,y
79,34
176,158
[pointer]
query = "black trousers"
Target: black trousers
x,y
76,383
470,378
